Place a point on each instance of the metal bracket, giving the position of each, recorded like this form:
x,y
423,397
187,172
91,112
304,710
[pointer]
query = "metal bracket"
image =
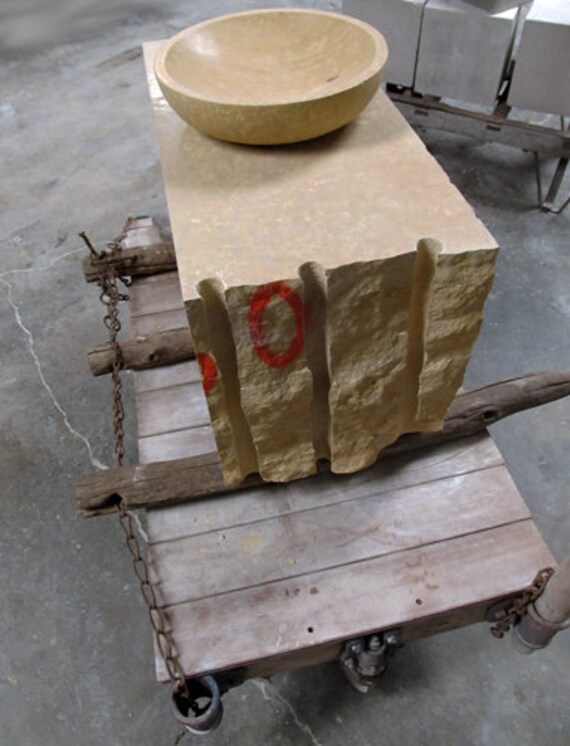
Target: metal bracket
x,y
364,659
546,204
428,112
498,611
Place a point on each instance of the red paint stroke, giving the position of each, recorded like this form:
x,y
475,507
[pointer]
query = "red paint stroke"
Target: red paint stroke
x,y
258,302
208,369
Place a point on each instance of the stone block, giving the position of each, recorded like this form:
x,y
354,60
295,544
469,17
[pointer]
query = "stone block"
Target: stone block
x,y
541,78
400,22
498,6
464,51
334,288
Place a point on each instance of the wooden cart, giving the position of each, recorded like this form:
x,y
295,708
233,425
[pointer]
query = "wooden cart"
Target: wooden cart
x,y
264,580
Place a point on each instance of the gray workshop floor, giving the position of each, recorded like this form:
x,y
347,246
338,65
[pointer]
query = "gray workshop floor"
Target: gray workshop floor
x,y
75,647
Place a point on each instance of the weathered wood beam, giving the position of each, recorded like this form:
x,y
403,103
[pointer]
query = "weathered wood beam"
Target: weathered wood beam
x,y
154,350
473,411
136,262
182,480
154,485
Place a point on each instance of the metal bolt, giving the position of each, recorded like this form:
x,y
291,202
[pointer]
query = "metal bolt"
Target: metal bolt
x,y
392,639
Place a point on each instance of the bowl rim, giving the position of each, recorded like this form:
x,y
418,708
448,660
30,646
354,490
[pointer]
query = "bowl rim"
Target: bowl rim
x,y
373,68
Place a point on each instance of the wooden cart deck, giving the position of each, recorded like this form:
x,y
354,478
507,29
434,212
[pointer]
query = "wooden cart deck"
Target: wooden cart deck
x,y
275,578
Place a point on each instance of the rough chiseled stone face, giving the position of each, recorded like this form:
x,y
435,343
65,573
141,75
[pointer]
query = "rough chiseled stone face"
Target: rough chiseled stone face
x,y
334,288
383,353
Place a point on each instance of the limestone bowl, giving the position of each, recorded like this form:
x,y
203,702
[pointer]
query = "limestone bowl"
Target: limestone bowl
x,y
270,77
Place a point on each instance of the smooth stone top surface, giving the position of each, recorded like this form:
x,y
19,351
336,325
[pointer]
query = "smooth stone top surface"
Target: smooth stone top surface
x,y
271,76
249,216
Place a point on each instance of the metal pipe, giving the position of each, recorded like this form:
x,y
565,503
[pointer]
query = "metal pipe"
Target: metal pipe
x,y
549,614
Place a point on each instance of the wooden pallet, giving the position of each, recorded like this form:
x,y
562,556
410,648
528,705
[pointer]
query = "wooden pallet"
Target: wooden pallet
x,y
273,579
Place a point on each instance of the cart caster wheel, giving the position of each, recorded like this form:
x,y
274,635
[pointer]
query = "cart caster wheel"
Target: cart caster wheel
x,y
204,712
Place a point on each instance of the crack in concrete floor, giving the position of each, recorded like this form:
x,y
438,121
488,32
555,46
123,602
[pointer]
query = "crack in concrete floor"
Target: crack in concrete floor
x,y
40,371
270,692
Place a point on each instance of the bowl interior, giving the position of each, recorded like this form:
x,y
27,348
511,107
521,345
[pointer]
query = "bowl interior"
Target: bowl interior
x,y
273,57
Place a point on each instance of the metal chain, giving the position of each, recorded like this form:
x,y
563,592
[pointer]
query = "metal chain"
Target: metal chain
x,y
111,297
520,605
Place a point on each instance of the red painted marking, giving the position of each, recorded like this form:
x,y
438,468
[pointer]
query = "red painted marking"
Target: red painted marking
x,y
208,369
257,304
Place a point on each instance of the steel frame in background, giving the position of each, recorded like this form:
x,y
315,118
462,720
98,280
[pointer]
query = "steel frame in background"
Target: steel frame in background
x,y
429,112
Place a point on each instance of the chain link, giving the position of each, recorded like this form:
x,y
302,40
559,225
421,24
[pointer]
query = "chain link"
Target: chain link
x,y
110,296
519,607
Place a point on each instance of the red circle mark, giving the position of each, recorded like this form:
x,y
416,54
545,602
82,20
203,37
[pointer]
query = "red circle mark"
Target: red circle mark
x,y
208,369
257,304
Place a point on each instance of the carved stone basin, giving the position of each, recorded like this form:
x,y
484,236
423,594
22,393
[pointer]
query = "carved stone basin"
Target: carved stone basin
x,y
273,76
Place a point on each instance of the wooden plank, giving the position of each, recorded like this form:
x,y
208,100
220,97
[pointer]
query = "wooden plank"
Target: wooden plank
x,y
254,505
412,631
155,323
336,535
173,408
196,441
164,377
145,231
313,656
144,321
155,294
166,280
235,628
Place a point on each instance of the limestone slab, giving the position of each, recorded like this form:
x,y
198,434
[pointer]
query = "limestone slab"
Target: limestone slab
x,y
498,6
252,215
540,78
311,288
464,51
400,22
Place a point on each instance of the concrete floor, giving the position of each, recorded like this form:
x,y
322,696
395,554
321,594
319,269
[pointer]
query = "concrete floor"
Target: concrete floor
x,y
78,152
